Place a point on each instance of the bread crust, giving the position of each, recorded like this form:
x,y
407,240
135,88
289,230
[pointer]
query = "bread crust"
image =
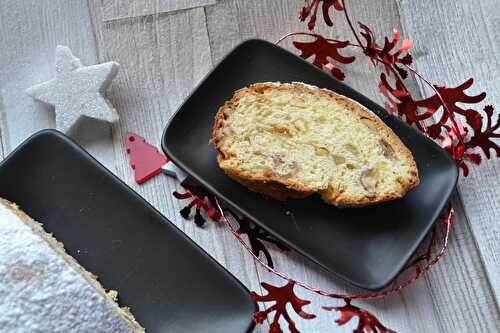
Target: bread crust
x,y
59,248
281,188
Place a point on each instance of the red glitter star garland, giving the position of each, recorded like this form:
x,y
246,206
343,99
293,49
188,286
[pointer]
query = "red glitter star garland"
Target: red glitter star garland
x,y
311,10
322,49
281,296
454,123
462,132
256,235
421,263
367,322
448,130
147,162
202,200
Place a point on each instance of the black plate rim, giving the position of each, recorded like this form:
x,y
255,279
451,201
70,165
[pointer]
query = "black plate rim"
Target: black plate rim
x,y
125,187
235,206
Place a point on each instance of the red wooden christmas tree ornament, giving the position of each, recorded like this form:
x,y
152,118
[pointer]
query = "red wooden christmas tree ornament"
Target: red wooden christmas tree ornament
x,y
145,159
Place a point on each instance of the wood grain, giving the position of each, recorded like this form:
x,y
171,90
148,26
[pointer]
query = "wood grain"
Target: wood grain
x,y
270,20
30,30
466,46
120,9
459,286
427,301
2,121
163,57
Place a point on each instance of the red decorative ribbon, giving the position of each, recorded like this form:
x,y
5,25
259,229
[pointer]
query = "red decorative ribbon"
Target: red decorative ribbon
x,y
448,131
445,220
281,296
444,104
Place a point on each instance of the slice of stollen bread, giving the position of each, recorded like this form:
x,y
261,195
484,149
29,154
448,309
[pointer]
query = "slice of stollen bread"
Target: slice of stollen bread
x,y
293,140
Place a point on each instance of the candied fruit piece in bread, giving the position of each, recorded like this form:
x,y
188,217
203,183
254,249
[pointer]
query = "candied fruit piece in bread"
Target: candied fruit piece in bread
x,y
293,140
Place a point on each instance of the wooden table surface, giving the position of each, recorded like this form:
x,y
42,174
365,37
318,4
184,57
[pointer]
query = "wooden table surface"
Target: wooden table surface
x,y
166,47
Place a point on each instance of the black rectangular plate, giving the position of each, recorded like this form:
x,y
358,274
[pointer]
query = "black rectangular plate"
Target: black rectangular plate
x,y
169,282
365,246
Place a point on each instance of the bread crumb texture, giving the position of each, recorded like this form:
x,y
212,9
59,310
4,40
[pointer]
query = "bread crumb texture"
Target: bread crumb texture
x,y
293,140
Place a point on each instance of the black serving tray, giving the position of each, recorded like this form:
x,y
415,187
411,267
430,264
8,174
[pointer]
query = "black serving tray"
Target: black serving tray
x,y
365,246
169,282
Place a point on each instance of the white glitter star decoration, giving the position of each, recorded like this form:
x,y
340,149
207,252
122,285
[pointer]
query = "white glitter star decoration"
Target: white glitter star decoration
x,y
77,90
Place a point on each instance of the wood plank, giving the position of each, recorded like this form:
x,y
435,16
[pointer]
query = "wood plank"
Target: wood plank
x,y
121,9
427,306
162,57
31,30
270,20
2,120
467,46
459,286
